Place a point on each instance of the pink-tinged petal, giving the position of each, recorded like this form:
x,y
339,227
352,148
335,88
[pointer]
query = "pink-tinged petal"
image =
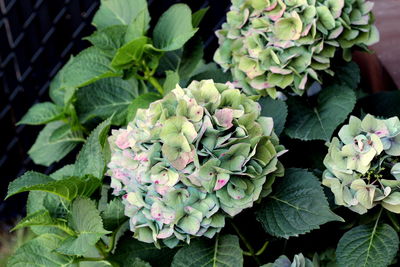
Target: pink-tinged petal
x,y
336,32
272,6
220,183
162,189
141,157
306,30
278,70
122,140
303,82
165,233
280,153
259,85
181,162
224,117
382,132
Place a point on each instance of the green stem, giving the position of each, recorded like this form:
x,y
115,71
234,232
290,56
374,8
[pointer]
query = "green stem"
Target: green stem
x,y
262,249
102,248
246,243
156,84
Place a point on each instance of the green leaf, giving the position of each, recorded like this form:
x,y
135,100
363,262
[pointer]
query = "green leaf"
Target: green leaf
x,y
114,214
318,123
117,12
275,109
139,25
65,132
63,172
174,28
91,160
348,74
42,113
198,16
368,245
68,188
129,249
88,66
45,152
143,101
104,98
40,252
43,218
171,81
109,39
129,53
297,206
102,263
224,252
86,221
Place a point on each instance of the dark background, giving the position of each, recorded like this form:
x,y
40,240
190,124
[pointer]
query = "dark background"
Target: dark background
x,y
37,37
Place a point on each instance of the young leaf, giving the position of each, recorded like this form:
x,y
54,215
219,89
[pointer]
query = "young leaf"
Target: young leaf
x,y
86,221
198,16
117,12
104,98
306,123
139,26
129,53
114,214
171,81
90,159
40,252
68,188
45,151
224,252
109,39
276,109
129,249
297,206
174,28
43,218
42,113
368,246
143,101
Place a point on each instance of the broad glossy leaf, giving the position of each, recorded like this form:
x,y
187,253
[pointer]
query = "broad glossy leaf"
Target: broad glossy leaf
x,y
117,12
42,113
91,159
114,214
43,218
276,109
368,246
40,252
88,66
86,221
104,98
68,188
174,28
45,151
109,39
129,53
225,251
297,205
318,123
143,101
129,249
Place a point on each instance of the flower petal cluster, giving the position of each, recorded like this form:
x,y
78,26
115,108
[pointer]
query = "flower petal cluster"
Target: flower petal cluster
x,y
362,164
191,159
272,44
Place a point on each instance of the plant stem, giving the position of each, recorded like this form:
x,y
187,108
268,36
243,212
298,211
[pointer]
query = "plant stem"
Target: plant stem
x,y
156,84
246,243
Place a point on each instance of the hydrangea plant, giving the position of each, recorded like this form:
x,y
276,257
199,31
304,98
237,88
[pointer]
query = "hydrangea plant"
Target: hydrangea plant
x,y
362,164
192,158
271,44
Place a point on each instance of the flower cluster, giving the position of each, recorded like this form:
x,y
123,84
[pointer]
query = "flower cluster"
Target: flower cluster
x,y
270,44
362,167
192,158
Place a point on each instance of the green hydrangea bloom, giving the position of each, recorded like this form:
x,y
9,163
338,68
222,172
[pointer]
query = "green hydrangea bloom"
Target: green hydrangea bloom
x,y
272,44
192,158
362,164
